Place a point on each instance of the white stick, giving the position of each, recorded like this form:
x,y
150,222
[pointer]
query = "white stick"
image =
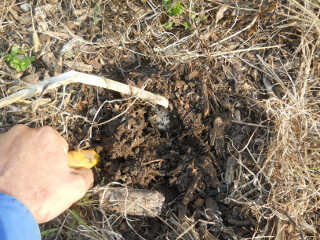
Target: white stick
x,y
77,77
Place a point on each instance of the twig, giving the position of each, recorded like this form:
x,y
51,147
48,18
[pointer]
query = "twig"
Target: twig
x,y
77,77
249,124
190,190
235,34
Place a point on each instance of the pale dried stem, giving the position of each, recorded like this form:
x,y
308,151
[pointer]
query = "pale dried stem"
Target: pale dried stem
x,y
77,77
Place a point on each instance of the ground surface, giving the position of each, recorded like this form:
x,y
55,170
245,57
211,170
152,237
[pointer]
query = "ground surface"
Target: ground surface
x,y
219,64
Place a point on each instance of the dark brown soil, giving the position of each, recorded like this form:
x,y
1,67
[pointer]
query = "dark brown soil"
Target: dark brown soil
x,y
187,161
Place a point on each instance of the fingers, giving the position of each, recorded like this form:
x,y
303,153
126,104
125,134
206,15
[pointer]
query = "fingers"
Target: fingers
x,y
82,181
44,130
52,132
15,132
18,129
87,175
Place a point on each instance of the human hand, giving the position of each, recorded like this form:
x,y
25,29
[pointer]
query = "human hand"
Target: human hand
x,y
34,169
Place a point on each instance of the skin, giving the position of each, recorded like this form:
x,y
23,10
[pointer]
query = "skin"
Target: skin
x,y
34,169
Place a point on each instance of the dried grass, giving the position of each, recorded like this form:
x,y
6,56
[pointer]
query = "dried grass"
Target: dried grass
x,y
293,158
289,188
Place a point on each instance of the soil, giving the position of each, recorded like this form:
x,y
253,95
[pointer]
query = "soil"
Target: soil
x,y
186,161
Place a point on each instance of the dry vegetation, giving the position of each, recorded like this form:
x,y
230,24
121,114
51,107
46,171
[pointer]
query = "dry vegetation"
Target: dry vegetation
x,y
241,159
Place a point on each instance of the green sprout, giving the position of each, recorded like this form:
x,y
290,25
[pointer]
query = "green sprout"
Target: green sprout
x,y
175,9
168,24
187,25
96,15
18,59
48,232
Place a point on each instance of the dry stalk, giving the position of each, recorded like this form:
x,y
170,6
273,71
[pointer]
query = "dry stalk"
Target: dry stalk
x,y
77,77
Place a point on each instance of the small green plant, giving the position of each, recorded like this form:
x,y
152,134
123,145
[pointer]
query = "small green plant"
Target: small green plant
x,y
187,25
82,222
18,59
168,24
96,15
175,9
48,231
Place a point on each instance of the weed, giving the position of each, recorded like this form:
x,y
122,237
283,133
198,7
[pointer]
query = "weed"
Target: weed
x,y
48,232
18,59
168,24
176,9
82,222
72,227
86,200
187,25
173,9
96,15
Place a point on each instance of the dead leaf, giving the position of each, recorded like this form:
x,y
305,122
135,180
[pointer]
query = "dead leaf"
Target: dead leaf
x,y
58,68
230,170
42,12
67,48
80,66
252,29
57,34
31,78
93,63
80,19
193,74
306,227
221,11
14,14
79,12
26,7
50,61
37,45
231,45
24,19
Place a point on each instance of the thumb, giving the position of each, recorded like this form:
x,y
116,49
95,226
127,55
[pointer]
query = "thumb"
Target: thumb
x,y
82,181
